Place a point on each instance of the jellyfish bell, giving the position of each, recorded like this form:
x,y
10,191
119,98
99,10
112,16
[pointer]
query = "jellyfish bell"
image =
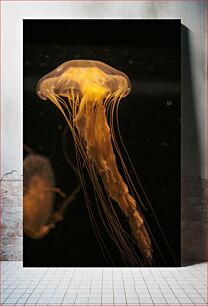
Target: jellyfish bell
x,y
85,77
38,197
39,189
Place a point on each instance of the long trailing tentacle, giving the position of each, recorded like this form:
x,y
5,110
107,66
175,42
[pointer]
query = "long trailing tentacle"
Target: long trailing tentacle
x,y
114,228
100,151
113,110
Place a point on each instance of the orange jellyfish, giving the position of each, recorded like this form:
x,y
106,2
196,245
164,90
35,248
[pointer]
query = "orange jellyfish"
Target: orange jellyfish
x,y
39,197
88,93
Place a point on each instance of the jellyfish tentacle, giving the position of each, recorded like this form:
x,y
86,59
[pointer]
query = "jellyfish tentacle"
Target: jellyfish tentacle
x,y
130,182
54,189
59,214
92,218
86,131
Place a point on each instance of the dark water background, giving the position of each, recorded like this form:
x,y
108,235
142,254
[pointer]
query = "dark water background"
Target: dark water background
x,y
148,51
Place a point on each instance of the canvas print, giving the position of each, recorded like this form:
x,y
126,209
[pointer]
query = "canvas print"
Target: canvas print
x,y
101,143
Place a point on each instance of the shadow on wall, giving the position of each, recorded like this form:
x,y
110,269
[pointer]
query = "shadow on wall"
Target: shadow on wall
x,y
193,217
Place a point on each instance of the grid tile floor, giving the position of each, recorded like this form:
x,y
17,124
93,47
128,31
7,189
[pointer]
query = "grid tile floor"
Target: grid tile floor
x,y
103,286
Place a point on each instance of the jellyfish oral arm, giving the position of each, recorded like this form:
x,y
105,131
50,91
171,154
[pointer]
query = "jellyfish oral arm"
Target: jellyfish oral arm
x,y
92,125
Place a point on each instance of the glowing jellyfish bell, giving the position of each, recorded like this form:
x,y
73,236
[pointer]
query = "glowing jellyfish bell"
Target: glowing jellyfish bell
x,y
39,197
88,93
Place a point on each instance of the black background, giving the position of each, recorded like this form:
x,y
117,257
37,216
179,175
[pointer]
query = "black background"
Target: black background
x,y
148,51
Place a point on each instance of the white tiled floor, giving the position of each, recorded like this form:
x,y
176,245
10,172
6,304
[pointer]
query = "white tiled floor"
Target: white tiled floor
x,y
103,286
